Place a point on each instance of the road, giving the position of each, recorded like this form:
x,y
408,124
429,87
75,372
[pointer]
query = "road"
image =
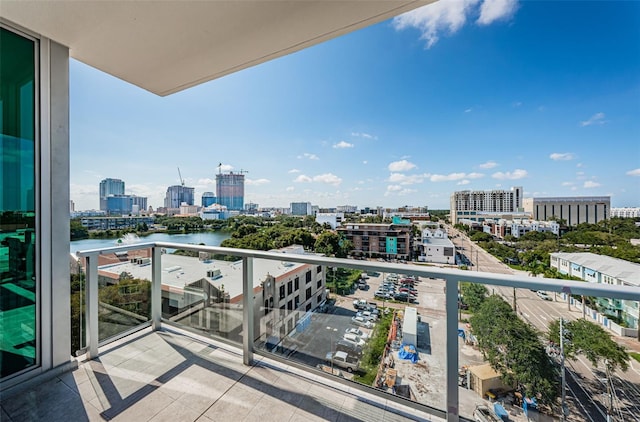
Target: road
x,y
586,389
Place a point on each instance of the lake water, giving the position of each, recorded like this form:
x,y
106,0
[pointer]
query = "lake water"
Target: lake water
x,y
208,238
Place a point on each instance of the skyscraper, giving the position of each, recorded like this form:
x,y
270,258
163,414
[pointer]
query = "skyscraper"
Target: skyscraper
x,y
178,194
208,198
230,190
110,187
465,204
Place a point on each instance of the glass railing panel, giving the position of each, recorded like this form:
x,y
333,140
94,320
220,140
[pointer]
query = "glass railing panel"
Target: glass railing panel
x,y
511,361
124,291
203,292
382,330
78,309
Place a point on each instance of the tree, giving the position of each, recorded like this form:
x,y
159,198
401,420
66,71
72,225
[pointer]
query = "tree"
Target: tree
x,y
592,341
481,237
77,230
473,294
513,348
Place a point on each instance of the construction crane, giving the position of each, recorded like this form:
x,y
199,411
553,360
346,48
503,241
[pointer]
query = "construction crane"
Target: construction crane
x,y
180,176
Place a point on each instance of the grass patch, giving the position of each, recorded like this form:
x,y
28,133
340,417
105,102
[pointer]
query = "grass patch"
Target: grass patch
x,y
373,351
635,355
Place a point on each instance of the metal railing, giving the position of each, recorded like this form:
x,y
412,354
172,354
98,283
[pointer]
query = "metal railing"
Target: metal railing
x,y
451,277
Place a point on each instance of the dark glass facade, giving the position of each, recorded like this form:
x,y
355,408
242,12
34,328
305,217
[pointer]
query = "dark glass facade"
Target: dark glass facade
x,y
18,284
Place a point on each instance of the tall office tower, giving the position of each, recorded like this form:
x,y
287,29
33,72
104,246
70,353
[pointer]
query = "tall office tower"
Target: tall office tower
x,y
464,204
208,198
140,201
178,194
301,208
230,190
110,187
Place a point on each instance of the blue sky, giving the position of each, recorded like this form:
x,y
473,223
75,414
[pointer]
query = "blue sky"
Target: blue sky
x,y
456,95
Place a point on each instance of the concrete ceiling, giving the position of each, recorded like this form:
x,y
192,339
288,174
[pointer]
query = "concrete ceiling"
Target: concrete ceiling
x,y
168,46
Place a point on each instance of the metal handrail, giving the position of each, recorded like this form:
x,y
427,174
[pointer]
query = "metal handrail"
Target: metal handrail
x,y
451,276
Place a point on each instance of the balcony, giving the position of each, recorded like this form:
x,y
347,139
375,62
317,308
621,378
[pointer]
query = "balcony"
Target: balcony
x,y
205,348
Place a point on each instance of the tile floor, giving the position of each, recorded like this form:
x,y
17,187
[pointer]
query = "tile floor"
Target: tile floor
x,y
166,376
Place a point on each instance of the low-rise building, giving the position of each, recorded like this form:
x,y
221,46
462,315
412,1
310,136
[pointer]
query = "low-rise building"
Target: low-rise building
x,y
115,223
519,227
603,269
436,247
626,212
334,219
390,241
206,292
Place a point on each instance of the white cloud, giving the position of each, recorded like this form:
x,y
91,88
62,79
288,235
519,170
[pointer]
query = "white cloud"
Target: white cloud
x,y
579,165
448,16
363,135
404,179
493,10
294,171
328,178
309,156
303,179
225,167
596,119
343,144
567,183
365,162
402,165
290,189
475,175
398,190
562,156
257,182
590,184
447,177
206,181
469,110
635,172
517,104
514,175
394,188
488,165
407,191
463,182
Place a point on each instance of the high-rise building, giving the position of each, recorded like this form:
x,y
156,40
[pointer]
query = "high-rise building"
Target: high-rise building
x,y
465,204
140,201
301,208
230,190
208,198
119,204
178,194
110,187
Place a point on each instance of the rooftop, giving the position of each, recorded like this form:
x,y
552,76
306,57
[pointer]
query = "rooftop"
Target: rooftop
x,y
614,267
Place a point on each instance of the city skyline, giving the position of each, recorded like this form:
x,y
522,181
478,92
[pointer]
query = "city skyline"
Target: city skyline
x,y
453,96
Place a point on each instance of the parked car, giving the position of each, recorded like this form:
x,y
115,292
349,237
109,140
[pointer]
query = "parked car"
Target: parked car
x,y
352,338
357,332
343,360
367,316
359,303
381,294
543,295
358,320
349,348
404,297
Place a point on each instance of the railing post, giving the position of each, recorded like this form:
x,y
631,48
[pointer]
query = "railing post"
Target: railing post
x,y
451,297
91,303
156,288
247,310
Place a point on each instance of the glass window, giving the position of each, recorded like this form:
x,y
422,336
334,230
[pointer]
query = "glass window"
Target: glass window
x,y
17,203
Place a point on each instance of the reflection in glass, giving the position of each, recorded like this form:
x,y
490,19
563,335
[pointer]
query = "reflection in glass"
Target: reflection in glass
x,y
18,302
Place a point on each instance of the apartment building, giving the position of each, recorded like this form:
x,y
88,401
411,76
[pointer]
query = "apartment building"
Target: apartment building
x,y
301,208
197,289
390,241
471,204
519,227
626,212
574,210
436,247
603,269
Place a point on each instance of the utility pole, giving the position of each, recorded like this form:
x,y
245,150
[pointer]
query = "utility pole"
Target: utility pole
x,y
609,392
514,300
565,410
